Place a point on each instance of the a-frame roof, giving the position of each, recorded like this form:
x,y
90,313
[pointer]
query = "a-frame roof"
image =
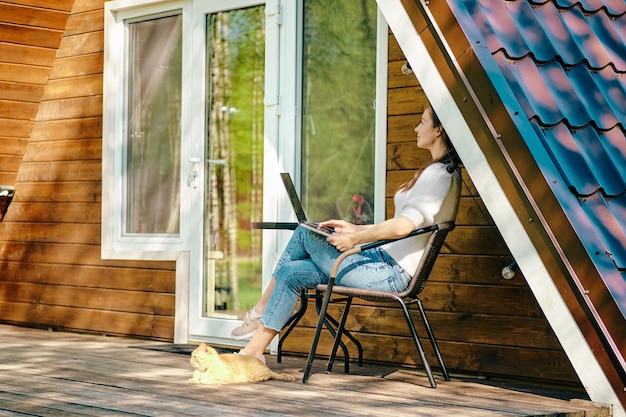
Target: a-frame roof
x,y
541,90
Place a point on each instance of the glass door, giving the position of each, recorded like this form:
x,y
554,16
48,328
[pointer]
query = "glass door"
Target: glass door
x,y
234,169
226,267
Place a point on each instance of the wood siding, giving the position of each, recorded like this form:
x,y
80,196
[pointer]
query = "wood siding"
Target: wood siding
x,y
29,39
51,273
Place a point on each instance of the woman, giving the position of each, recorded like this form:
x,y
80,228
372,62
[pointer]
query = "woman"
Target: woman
x,y
431,196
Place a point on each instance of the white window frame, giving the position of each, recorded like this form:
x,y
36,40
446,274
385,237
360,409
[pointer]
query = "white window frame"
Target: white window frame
x,y
382,74
116,244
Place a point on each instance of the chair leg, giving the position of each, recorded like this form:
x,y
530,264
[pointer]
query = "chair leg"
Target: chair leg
x,y
418,345
340,331
358,345
431,336
349,335
331,324
318,330
353,339
294,319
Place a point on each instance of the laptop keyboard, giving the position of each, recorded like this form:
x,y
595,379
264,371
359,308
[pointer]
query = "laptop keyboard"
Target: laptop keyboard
x,y
316,225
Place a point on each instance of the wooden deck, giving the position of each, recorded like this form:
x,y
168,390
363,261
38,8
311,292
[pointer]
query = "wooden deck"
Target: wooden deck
x,y
46,373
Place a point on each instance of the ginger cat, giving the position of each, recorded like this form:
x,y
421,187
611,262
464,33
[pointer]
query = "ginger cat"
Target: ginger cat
x,y
213,368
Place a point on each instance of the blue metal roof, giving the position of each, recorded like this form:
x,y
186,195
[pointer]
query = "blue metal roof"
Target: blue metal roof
x,y
553,93
612,7
565,65
550,33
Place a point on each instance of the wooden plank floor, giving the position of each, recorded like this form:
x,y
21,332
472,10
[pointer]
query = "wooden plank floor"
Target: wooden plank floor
x,y
45,373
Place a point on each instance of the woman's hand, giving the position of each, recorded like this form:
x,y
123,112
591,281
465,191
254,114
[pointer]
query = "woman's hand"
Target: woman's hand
x,y
343,241
340,226
343,236
348,235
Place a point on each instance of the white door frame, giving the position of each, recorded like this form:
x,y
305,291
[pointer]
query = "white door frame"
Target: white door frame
x,y
216,330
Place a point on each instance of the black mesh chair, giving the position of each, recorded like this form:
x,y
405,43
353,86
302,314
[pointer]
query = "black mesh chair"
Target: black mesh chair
x,y
438,233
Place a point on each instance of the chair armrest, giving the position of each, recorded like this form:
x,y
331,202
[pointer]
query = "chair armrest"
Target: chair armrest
x,y
357,249
420,231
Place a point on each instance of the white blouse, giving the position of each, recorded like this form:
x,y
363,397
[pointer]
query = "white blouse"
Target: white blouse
x,y
434,198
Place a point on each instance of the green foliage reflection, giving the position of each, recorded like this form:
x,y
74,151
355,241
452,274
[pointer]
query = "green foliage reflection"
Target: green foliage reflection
x,y
338,95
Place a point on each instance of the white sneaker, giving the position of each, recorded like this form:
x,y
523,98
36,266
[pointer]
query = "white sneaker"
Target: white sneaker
x,y
247,328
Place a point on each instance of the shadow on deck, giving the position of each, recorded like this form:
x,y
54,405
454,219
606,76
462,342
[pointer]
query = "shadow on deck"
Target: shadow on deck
x,y
46,373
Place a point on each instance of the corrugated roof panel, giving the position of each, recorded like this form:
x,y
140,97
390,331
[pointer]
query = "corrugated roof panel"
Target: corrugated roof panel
x,y
599,47
547,33
611,34
613,87
514,28
612,232
588,161
598,103
536,40
614,143
613,7
497,26
544,92
558,37
552,94
558,140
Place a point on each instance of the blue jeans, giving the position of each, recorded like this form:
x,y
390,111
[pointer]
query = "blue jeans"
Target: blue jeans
x,y
307,262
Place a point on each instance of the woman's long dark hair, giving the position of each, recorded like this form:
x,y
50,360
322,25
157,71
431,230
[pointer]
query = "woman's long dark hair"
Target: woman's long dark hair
x,y
451,158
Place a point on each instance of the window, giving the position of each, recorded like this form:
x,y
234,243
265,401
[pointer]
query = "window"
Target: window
x,y
339,117
152,142
143,130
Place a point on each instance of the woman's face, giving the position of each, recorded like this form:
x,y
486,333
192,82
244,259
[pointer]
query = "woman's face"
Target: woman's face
x,y
428,136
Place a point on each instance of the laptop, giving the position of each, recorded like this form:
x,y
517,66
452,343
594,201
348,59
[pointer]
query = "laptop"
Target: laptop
x,y
299,210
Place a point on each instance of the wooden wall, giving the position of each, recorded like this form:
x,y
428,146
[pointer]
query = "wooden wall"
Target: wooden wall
x,y
51,273
485,325
29,39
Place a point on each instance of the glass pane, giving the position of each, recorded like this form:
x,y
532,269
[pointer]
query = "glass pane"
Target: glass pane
x,y
154,138
339,88
234,180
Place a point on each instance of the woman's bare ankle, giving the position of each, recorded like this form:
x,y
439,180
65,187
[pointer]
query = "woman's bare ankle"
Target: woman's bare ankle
x,y
251,352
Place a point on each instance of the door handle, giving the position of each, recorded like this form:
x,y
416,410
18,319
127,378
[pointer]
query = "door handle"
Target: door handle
x,y
216,161
193,176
